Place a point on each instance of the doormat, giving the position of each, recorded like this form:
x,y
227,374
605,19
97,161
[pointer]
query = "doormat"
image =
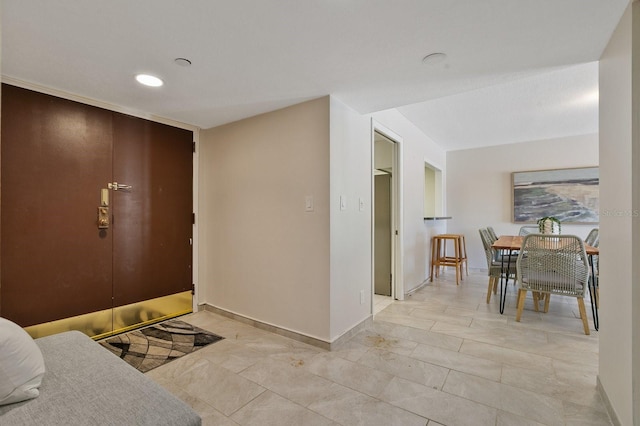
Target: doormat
x,y
159,344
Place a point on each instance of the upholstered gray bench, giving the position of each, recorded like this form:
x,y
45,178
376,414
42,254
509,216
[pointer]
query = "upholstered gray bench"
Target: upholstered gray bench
x,y
85,384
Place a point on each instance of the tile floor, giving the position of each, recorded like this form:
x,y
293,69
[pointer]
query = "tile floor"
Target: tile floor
x,y
381,302
441,357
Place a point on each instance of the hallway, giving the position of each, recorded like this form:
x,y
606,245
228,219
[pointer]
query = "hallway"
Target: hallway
x,y
441,357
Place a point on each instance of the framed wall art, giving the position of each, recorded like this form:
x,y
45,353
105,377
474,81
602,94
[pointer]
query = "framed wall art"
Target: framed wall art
x,y
571,195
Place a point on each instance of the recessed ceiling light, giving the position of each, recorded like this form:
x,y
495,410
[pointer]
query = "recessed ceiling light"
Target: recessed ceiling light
x,y
149,80
434,58
183,62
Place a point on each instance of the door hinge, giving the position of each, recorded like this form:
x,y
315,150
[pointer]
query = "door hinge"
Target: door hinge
x,y
193,218
194,146
193,289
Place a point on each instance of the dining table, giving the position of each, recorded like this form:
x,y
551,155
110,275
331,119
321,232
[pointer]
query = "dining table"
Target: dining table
x,y
510,244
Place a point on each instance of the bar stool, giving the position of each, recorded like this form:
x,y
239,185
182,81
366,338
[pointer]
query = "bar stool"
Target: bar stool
x,y
439,254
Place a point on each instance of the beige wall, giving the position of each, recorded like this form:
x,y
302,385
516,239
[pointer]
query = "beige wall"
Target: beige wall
x,y
479,184
619,174
261,254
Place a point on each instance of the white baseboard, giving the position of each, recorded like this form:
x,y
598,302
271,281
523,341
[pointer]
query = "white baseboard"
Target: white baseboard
x,y
607,404
289,333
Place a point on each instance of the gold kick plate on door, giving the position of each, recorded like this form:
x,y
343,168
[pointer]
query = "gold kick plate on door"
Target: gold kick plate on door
x,y
101,324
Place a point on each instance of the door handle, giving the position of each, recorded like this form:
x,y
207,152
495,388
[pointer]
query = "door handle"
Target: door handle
x,y
119,186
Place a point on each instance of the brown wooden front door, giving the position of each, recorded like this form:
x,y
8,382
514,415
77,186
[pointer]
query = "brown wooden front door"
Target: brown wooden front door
x,y
153,222
57,155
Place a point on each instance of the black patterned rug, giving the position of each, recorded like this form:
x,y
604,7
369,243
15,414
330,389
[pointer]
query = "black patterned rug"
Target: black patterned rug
x,y
154,346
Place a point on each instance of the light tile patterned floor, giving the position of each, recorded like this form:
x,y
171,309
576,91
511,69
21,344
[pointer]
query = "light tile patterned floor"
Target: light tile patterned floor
x,y
441,357
381,302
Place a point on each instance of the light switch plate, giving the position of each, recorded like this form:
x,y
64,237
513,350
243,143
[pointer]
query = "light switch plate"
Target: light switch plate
x,y
361,204
308,203
343,202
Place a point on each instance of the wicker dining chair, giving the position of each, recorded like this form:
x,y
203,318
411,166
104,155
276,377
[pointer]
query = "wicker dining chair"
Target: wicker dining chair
x,y
593,238
494,263
492,233
528,229
553,265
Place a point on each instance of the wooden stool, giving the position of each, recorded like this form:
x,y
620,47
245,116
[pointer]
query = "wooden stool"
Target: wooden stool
x,y
439,254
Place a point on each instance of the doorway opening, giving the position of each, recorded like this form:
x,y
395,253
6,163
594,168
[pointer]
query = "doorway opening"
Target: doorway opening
x,y
433,205
385,220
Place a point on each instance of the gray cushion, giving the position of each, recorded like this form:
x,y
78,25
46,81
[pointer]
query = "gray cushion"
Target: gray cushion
x,y
85,384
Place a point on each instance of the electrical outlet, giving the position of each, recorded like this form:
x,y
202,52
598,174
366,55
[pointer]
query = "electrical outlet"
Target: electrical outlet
x,y
362,297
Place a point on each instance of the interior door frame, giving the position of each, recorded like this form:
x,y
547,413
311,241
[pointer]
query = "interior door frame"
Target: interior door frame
x,y
397,246
150,117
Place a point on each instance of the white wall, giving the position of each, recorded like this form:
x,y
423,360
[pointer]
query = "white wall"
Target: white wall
x,y
635,266
479,185
261,255
417,149
351,163
350,228
618,175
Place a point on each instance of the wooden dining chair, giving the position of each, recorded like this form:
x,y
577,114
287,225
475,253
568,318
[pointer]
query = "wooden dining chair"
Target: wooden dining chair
x,y
553,265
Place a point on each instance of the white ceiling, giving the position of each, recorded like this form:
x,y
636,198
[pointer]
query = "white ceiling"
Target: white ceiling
x,y
553,104
515,69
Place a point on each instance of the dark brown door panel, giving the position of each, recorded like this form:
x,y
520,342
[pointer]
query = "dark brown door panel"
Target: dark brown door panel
x,y
56,155
152,223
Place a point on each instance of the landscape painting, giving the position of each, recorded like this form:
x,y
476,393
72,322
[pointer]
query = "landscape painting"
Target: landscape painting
x,y
571,195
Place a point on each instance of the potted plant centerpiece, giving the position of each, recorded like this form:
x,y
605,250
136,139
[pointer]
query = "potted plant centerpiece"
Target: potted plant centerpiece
x,y
549,225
